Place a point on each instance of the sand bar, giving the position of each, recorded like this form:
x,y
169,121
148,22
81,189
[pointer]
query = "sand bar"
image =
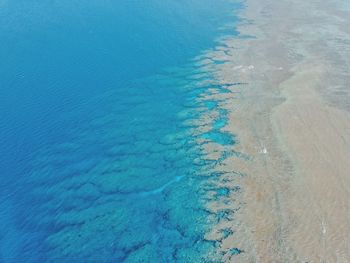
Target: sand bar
x,y
292,118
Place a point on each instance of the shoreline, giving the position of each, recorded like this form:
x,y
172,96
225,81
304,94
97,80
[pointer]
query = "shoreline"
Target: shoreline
x,y
292,119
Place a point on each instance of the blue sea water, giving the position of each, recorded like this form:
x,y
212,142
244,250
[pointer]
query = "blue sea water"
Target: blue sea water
x,y
99,156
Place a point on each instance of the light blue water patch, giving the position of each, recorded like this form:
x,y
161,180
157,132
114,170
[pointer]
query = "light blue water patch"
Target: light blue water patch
x,y
223,138
219,62
227,232
223,192
211,104
220,123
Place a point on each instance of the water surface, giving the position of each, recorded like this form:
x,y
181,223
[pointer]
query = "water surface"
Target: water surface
x,y
100,157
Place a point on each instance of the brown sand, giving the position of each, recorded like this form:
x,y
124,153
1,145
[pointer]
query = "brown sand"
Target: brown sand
x,y
292,119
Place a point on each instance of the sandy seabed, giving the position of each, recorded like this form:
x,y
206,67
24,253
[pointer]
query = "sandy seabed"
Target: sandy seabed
x,y
292,119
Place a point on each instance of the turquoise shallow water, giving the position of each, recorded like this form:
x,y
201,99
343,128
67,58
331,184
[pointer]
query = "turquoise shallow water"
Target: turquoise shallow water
x,y
102,151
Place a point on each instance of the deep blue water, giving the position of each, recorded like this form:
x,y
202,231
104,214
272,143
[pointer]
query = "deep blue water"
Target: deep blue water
x,y
99,157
